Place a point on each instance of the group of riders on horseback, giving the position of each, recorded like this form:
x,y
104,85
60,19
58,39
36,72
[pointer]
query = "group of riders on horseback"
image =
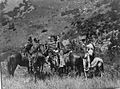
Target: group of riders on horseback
x,y
54,53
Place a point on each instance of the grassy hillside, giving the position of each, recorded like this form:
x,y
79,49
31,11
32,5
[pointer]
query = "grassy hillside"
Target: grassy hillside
x,y
72,18
100,23
46,15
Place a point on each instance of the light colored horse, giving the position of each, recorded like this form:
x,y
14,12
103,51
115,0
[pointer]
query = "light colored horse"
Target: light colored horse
x,y
96,65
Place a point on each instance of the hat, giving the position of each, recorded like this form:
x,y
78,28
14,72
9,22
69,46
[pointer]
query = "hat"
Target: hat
x,y
90,46
35,40
30,38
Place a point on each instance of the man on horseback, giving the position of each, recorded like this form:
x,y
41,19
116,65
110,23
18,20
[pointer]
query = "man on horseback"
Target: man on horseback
x,y
54,46
90,61
89,56
35,43
54,43
37,58
38,47
27,51
58,44
28,47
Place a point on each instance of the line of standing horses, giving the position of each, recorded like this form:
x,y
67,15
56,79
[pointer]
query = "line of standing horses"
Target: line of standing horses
x,y
35,63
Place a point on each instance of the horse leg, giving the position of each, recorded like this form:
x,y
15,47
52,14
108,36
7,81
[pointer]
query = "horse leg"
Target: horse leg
x,y
80,70
60,72
9,67
64,69
28,68
67,69
42,68
102,70
13,69
57,69
42,72
74,68
35,74
52,68
85,74
95,72
99,69
10,70
79,73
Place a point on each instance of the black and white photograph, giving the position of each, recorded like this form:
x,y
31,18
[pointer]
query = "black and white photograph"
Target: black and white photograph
x,y
59,44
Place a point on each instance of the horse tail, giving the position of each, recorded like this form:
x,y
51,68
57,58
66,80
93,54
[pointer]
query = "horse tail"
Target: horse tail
x,y
102,67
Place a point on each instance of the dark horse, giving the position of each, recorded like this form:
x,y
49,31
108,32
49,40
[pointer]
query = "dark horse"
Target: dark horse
x,y
52,58
38,61
15,60
72,62
76,63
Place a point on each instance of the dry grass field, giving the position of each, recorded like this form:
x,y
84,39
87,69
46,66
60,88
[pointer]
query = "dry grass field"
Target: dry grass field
x,y
22,80
57,83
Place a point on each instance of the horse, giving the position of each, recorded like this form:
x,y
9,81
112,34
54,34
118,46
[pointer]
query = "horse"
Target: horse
x,y
52,58
38,61
96,68
15,60
64,61
76,62
73,62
